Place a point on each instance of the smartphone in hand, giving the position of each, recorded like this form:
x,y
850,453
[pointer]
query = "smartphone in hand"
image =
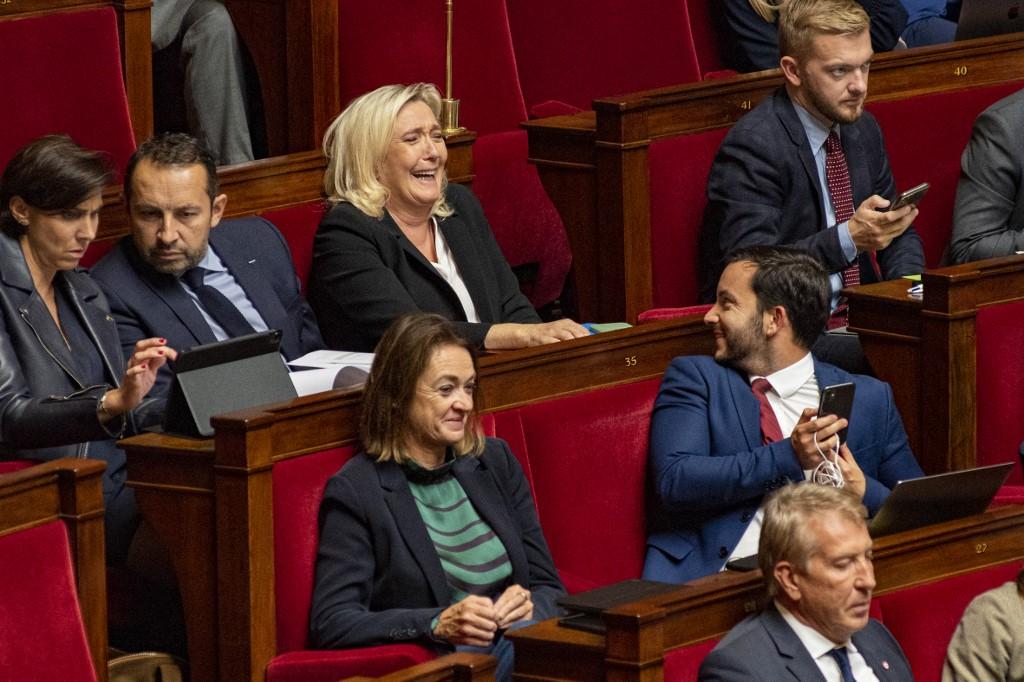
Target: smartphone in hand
x,y
911,196
837,399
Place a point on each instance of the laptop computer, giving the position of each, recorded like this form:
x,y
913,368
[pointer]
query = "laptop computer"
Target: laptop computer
x,y
933,499
980,18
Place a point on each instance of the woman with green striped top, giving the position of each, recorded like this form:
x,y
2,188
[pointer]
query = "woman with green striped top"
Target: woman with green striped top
x,y
431,534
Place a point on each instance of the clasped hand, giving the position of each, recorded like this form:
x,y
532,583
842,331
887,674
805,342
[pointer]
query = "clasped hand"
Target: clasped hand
x,y
811,428
475,620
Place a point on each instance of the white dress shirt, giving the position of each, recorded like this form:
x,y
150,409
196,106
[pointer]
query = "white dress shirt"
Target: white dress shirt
x,y
449,270
793,388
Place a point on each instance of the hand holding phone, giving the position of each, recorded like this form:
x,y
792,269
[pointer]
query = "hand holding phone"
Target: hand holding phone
x,y
838,400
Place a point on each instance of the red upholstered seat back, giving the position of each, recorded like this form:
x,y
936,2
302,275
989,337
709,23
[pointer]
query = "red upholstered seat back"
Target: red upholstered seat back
x,y
575,51
298,225
10,466
298,487
402,41
522,217
923,618
655,314
98,249
508,426
999,375
925,137
42,635
707,41
679,168
62,74
588,462
683,664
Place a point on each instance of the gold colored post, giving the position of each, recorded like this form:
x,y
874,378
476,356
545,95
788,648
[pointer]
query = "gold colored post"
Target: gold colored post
x,y
449,106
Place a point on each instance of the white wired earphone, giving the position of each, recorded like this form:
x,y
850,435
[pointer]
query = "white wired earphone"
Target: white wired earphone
x,y
828,471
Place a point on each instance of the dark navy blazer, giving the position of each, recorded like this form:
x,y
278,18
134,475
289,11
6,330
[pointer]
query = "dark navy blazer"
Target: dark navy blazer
x,y
366,273
147,303
711,472
764,189
764,647
378,576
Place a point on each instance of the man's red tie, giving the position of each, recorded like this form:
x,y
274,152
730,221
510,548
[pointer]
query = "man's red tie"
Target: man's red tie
x,y
837,175
770,430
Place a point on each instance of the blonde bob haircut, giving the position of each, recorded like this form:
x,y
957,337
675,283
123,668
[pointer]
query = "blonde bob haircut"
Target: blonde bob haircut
x,y
801,21
786,534
357,141
401,357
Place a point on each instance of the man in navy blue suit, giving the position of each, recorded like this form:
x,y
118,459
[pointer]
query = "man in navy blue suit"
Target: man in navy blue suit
x,y
184,275
815,560
807,167
727,430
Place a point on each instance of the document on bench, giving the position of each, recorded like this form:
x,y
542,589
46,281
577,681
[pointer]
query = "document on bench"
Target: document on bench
x,y
323,370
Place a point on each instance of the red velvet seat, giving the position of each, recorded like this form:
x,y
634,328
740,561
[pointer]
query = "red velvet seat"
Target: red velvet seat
x,y
298,486
13,465
923,618
298,225
588,452
655,314
62,74
925,136
683,664
39,613
679,168
52,595
97,250
999,373
401,41
707,38
575,51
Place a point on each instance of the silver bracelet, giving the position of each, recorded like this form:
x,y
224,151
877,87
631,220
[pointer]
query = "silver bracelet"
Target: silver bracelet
x,y
101,407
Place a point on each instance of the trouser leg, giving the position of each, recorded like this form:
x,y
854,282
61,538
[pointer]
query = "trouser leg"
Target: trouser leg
x,y
121,516
215,87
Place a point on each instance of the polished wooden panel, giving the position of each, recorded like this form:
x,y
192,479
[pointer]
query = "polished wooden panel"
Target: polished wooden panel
x,y
639,634
294,44
133,17
925,349
210,500
70,490
594,164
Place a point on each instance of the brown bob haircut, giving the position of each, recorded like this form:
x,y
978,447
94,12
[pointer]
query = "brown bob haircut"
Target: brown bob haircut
x,y
401,357
51,173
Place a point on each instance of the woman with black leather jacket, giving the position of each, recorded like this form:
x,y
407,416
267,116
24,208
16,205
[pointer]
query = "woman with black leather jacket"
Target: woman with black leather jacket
x,y
64,387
